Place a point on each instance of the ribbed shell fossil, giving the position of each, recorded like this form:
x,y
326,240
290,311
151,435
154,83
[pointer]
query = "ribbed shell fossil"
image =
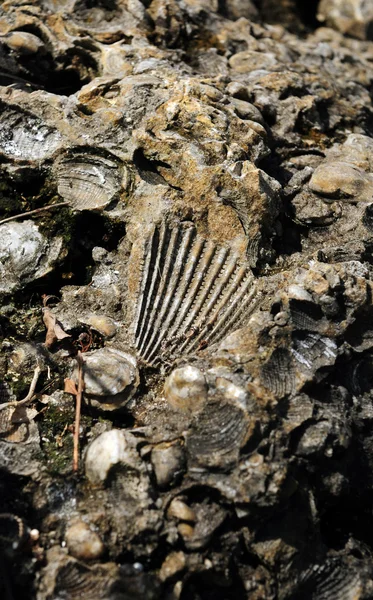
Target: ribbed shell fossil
x,y
24,136
192,293
332,580
88,181
217,434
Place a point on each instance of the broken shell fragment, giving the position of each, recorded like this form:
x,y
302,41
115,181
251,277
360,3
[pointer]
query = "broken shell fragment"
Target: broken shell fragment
x,y
25,255
24,136
186,388
191,293
168,462
111,448
110,378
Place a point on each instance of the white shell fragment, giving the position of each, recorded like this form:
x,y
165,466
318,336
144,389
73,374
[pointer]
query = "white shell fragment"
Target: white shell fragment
x,y
111,448
25,254
88,181
24,136
110,377
192,293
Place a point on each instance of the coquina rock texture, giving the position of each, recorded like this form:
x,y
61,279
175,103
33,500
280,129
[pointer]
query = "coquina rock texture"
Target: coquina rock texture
x,y
186,210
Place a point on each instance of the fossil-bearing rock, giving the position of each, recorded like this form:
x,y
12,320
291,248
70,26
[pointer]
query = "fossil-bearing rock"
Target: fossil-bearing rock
x,y
186,190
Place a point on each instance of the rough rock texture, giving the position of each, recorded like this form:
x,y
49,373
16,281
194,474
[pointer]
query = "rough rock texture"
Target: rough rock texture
x,y
212,263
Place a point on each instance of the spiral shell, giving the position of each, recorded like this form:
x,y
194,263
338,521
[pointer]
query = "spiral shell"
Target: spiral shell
x,y
192,292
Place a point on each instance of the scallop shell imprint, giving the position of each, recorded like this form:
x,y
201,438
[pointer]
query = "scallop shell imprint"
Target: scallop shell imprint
x,y
88,181
192,293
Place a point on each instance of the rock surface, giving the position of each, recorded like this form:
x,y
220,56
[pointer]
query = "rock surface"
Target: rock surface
x,y
197,182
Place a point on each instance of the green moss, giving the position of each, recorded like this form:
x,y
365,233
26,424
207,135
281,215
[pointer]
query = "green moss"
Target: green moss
x,y
57,438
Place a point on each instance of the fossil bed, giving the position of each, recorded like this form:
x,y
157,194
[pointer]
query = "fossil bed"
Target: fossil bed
x,y
212,262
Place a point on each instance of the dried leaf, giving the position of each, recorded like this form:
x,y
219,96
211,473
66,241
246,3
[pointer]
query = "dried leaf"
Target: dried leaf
x,y
70,387
54,330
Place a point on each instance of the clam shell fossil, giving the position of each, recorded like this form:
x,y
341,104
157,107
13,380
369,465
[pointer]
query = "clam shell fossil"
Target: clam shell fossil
x,y
332,580
186,388
191,293
87,180
217,434
110,377
24,136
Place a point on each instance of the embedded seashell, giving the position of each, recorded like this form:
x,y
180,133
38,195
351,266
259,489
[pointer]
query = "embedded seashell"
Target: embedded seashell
x,y
24,136
181,511
111,448
82,542
114,61
191,294
88,181
25,254
110,377
168,462
332,580
173,564
23,42
66,577
17,425
104,325
217,434
278,373
201,519
342,180
186,388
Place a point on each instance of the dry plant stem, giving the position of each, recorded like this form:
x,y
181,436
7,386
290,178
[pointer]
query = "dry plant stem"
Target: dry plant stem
x,y
30,394
33,212
78,406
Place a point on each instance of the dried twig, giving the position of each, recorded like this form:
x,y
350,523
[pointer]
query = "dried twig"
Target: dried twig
x,y
78,406
30,394
33,212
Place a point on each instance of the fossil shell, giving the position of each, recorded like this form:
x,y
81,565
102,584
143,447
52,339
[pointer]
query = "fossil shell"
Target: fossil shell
x,y
278,373
186,388
25,136
110,377
217,434
332,580
25,254
111,448
192,293
88,181
83,542
69,578
168,462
